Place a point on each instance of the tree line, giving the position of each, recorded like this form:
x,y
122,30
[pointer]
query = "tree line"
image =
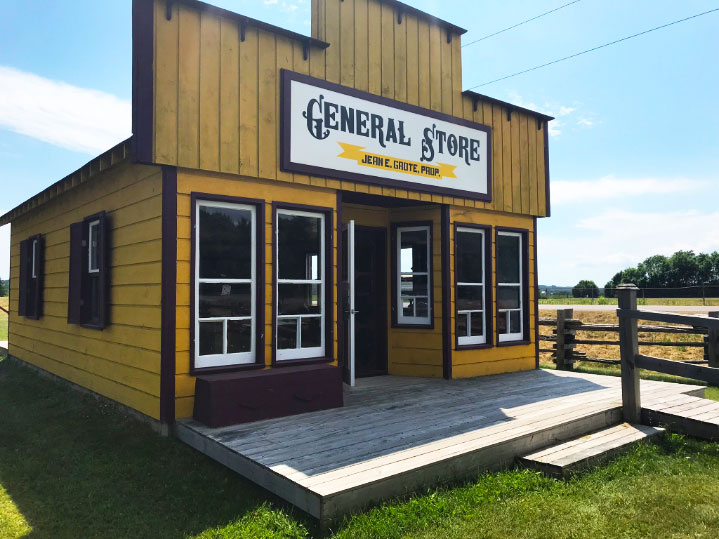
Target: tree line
x,y
683,274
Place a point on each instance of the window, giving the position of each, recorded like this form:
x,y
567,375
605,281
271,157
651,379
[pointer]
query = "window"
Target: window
x,y
35,254
89,286
31,277
301,283
413,296
471,246
511,286
93,261
225,284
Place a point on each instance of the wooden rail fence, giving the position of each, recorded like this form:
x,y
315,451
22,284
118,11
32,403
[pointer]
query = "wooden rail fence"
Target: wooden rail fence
x,y
632,360
564,337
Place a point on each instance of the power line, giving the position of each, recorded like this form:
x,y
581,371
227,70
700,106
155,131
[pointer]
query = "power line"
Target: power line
x,y
593,49
520,24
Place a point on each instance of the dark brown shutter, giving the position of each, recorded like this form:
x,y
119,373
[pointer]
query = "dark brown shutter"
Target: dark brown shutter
x,y
74,295
40,280
103,255
24,277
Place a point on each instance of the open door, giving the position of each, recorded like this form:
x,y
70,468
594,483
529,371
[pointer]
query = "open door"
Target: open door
x,y
348,311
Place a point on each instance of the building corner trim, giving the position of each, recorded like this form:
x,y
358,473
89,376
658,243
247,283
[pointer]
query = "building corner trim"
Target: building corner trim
x,y
143,31
169,295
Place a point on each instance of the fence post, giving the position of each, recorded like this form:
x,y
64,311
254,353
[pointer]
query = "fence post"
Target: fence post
x,y
629,347
712,343
562,316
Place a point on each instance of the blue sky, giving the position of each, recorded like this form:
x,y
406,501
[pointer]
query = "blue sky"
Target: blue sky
x,y
634,151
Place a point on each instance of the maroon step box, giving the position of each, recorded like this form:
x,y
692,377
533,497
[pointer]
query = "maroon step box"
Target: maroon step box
x,y
242,397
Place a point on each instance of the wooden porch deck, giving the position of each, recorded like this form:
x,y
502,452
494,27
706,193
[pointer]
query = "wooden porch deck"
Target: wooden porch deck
x,y
395,434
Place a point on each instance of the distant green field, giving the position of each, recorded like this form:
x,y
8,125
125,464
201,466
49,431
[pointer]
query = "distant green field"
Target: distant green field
x,y
3,319
641,301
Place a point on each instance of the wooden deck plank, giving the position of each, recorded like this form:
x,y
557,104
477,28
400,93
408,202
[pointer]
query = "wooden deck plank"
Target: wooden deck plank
x,y
396,434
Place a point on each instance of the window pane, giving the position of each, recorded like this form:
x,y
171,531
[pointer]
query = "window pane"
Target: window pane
x,y
210,338
462,321
468,257
477,328
508,259
94,312
299,244
311,332
218,300
470,298
515,325
299,299
407,306
413,257
94,263
508,297
502,323
414,285
225,243
286,333
239,336
422,309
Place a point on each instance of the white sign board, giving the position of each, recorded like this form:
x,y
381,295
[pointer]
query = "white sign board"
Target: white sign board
x,y
330,130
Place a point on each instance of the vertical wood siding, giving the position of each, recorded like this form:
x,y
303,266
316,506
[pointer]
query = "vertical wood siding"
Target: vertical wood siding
x,y
217,97
121,362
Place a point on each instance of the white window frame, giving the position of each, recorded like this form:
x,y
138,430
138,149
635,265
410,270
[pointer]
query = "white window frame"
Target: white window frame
x,y
288,354
517,336
476,339
401,318
225,359
34,258
92,249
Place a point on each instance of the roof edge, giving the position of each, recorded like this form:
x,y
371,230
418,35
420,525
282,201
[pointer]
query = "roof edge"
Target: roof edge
x,y
114,156
475,96
405,8
252,22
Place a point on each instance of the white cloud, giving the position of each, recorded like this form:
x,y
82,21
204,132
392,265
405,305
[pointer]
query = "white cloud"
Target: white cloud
x,y
585,122
601,245
611,187
549,109
78,119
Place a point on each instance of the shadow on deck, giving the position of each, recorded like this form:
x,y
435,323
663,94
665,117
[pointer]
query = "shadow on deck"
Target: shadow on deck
x,y
397,434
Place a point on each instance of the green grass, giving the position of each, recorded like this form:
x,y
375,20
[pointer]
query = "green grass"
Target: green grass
x,y
640,301
72,466
3,319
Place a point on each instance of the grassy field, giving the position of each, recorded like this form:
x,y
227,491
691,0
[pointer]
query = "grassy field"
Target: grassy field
x,y
640,301
72,466
3,319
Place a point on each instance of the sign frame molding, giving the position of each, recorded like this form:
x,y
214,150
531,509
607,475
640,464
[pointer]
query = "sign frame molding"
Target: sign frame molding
x,y
286,164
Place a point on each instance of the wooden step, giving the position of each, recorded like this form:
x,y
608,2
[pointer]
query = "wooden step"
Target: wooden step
x,y
569,457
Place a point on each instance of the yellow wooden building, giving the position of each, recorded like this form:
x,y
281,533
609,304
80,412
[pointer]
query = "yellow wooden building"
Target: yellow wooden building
x,y
291,212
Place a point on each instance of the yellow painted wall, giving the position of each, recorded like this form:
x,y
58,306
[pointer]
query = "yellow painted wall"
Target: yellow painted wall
x,y
189,181
121,362
411,352
217,98
418,352
468,363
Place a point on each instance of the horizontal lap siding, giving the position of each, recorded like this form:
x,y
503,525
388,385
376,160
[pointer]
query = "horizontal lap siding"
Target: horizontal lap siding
x,y
223,184
467,363
418,352
217,97
121,362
